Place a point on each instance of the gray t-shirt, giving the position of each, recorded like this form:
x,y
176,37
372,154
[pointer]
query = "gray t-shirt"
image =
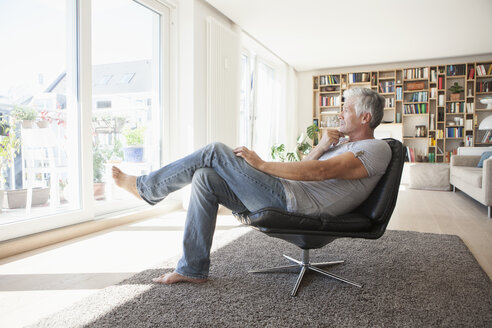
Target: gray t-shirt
x,y
339,196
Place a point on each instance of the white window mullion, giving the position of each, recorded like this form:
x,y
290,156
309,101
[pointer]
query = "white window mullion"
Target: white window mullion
x,y
85,106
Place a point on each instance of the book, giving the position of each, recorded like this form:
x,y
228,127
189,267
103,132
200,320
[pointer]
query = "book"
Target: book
x,y
471,75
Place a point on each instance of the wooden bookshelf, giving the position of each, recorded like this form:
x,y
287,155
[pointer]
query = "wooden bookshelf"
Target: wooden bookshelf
x,y
416,97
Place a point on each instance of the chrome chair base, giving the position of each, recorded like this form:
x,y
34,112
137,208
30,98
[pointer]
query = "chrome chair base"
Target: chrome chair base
x,y
305,265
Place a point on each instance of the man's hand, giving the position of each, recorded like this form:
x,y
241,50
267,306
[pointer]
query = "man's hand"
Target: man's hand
x,y
329,138
249,156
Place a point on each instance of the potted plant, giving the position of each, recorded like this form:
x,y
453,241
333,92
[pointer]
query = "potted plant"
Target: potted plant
x,y
44,120
26,115
98,161
9,146
133,152
456,91
303,146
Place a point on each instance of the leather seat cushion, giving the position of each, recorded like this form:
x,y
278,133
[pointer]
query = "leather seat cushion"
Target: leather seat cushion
x,y
278,219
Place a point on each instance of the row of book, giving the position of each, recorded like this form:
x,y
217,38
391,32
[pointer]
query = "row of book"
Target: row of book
x,y
441,99
457,107
433,92
454,132
484,86
439,134
416,73
420,96
388,86
358,77
415,109
487,137
482,70
410,154
440,83
329,100
389,103
414,155
399,93
471,74
433,76
468,141
455,70
468,124
470,107
329,79
449,154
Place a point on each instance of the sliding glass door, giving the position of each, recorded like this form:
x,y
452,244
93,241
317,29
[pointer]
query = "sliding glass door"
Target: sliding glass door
x,y
39,114
84,85
126,108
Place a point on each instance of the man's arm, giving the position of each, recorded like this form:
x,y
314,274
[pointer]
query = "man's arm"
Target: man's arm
x,y
344,166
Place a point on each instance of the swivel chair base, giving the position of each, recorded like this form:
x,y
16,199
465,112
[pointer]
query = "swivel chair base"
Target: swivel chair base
x,y
306,265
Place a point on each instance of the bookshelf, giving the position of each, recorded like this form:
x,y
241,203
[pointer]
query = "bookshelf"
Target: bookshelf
x,y
418,100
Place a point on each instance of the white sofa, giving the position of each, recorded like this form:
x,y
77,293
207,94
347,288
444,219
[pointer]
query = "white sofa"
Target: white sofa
x,y
467,177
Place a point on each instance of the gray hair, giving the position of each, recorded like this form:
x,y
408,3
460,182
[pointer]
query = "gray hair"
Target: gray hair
x,y
367,101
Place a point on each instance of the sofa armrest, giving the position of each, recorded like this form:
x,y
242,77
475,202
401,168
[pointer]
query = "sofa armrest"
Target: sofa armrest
x,y
487,181
464,160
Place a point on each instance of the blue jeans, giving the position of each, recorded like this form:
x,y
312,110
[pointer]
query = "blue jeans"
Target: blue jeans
x,y
217,176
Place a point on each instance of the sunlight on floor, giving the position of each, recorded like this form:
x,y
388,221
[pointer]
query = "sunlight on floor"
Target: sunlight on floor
x,y
67,272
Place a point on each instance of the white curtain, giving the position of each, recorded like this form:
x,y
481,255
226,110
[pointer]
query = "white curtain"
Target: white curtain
x,y
266,114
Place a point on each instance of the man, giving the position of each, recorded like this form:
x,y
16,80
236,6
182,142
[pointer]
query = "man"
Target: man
x,y
337,176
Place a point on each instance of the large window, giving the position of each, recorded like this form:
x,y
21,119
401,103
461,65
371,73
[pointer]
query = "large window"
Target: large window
x,y
259,104
126,111
50,51
38,107
245,108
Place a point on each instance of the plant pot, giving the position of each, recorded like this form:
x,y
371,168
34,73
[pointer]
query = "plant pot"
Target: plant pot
x,y
27,124
17,198
133,154
99,190
43,124
454,97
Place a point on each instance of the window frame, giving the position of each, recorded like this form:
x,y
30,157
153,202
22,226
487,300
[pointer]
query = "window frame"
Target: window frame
x,y
80,93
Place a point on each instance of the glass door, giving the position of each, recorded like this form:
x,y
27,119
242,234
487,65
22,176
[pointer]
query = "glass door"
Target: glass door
x,y
127,111
39,134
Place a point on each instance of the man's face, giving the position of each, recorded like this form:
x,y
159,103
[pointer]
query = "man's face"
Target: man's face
x,y
349,122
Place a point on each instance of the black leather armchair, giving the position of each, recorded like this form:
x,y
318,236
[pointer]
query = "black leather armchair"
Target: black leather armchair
x,y
368,221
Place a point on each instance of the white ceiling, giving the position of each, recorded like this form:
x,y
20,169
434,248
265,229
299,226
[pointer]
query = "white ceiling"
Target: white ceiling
x,y
314,34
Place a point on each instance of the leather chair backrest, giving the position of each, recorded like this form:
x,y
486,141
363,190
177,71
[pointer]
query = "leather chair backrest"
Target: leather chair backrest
x,y
382,200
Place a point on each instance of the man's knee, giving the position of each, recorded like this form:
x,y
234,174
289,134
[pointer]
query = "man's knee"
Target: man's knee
x,y
204,177
219,147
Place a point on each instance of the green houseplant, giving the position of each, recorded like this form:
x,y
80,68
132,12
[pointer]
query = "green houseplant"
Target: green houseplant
x,y
303,146
456,91
26,115
100,156
134,139
98,161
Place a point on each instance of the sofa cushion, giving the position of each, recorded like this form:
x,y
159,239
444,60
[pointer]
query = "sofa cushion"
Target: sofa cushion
x,y
472,175
484,156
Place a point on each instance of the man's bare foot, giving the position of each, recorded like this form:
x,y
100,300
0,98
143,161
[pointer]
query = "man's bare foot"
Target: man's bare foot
x,y
125,181
174,277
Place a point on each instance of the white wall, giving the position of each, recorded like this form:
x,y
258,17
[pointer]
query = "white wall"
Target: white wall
x,y
305,91
201,12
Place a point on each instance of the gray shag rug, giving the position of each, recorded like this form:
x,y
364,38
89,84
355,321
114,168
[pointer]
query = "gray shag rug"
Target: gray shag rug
x,y
410,280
